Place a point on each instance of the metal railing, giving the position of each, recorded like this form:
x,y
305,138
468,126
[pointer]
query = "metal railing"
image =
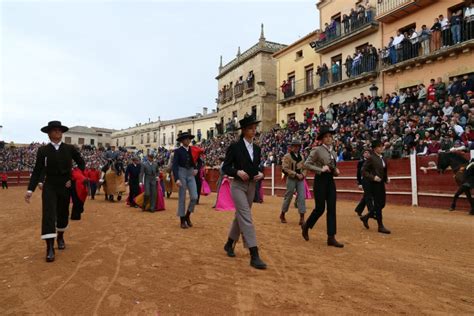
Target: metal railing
x,y
436,42
344,29
237,91
385,6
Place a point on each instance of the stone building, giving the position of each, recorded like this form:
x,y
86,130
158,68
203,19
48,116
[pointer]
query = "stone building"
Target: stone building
x,y
247,84
92,136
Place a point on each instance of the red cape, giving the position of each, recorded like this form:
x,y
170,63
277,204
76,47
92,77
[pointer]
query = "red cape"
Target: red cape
x,y
81,189
196,152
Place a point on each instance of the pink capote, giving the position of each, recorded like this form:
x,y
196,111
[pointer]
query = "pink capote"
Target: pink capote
x,y
224,200
205,188
307,192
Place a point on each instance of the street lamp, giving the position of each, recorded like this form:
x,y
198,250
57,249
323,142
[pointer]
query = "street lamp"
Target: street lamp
x,y
373,90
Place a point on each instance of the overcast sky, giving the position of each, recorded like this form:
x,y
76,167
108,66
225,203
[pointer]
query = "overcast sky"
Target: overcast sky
x,y
116,63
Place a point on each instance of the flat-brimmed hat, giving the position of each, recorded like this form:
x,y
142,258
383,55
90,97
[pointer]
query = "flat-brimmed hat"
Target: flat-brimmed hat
x,y
247,121
54,124
295,142
184,135
376,143
323,131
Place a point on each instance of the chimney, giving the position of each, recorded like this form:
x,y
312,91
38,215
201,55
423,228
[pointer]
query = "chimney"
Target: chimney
x,y
204,111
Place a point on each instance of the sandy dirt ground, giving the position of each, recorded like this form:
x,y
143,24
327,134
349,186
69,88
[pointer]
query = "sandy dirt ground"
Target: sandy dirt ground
x,y
119,261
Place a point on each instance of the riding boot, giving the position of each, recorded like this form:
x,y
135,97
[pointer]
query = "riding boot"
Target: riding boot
x,y
301,219
183,222
365,220
61,243
145,202
229,247
282,218
188,219
382,228
50,250
333,242
305,231
255,260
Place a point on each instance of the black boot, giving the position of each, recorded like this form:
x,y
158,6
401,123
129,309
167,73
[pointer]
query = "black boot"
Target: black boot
x,y
119,198
365,220
145,202
229,248
61,243
50,250
282,218
188,219
333,242
301,219
255,260
382,228
183,222
305,231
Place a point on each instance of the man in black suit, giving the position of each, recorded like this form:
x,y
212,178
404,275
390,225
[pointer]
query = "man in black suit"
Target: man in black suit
x,y
360,207
242,162
374,172
132,174
54,163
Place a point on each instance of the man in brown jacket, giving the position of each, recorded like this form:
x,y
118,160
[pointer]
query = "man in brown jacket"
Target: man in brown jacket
x,y
293,168
374,172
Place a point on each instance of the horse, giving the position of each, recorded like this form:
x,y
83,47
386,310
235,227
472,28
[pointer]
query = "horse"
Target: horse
x,y
113,180
463,175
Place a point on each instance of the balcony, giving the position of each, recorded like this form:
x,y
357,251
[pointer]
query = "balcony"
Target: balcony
x,y
345,33
390,10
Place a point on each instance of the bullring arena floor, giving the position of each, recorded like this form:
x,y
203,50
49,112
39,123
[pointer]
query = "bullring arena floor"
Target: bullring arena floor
x,y
122,261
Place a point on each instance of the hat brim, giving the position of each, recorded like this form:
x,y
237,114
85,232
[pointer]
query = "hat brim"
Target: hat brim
x,y
184,137
46,129
320,136
296,144
248,124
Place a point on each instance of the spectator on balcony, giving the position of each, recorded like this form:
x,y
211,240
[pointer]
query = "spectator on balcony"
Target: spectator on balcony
x,y
469,22
346,23
440,89
373,58
348,65
286,88
360,15
324,74
250,79
455,26
444,22
435,35
413,50
353,17
368,11
425,40
335,71
397,44
356,64
385,56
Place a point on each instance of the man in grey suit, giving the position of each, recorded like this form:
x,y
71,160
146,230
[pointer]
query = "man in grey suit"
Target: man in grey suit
x,y
148,175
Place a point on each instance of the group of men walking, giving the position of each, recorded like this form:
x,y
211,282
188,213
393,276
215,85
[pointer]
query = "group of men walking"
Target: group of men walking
x,y
242,163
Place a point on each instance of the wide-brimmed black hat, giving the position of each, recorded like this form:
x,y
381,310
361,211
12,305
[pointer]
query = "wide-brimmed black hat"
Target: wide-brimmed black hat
x,y
295,142
54,124
184,135
376,143
323,131
248,120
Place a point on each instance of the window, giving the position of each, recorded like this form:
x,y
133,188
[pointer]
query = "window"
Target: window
x,y
92,141
299,54
164,138
199,135
67,140
336,73
290,117
100,135
99,144
80,141
133,142
234,114
407,28
172,137
291,80
254,110
154,137
309,75
141,139
147,138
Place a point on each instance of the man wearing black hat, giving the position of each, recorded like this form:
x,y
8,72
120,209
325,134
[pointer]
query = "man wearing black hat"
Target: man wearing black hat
x,y
54,163
132,178
184,171
374,172
322,160
365,155
242,162
293,169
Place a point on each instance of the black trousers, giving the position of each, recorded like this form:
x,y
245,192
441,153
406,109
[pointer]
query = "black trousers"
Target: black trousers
x,y
93,186
361,206
55,209
325,198
198,186
4,185
134,191
375,198
77,205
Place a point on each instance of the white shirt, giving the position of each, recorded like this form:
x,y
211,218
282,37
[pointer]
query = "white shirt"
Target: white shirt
x,y
398,39
444,23
249,147
56,146
383,161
